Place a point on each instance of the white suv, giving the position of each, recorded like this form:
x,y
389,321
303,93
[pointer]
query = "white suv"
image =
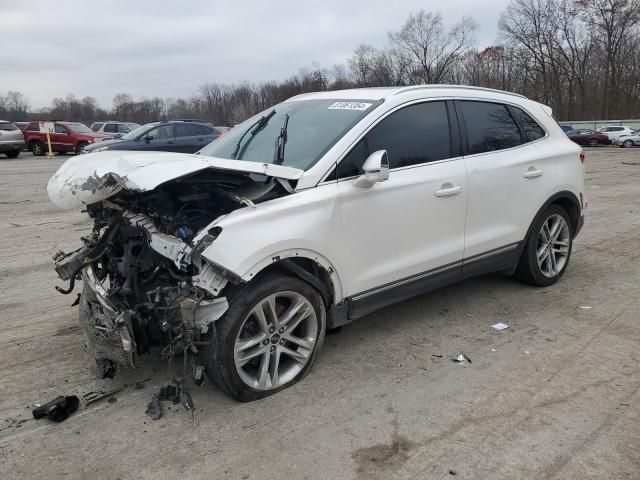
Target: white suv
x,y
615,131
310,215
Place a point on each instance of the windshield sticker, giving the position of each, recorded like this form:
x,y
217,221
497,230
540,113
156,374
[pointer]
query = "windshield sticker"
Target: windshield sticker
x,y
349,106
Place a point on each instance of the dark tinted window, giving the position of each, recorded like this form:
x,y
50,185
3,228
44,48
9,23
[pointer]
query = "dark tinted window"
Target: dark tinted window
x,y
96,126
202,130
34,127
351,164
111,128
416,134
490,127
60,129
122,128
531,129
186,130
8,127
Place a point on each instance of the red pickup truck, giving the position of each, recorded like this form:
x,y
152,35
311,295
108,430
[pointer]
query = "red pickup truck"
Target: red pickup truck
x,y
68,137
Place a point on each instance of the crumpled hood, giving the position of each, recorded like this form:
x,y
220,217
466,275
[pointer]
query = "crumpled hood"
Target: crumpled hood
x,y
90,178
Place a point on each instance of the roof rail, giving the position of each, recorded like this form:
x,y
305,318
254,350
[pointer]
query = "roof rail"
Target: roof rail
x,y
462,87
184,120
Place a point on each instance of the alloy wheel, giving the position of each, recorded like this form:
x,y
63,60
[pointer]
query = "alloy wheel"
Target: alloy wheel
x,y
276,340
553,246
627,144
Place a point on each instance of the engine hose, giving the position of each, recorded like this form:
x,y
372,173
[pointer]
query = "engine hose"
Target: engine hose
x,y
72,281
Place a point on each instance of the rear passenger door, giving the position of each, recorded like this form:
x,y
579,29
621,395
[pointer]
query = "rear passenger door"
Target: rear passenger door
x,y
408,231
191,137
508,180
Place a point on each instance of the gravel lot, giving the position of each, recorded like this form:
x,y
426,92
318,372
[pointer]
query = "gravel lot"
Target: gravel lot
x,y
557,395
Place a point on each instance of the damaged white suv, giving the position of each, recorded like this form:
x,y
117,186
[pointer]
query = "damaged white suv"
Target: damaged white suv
x,y
309,215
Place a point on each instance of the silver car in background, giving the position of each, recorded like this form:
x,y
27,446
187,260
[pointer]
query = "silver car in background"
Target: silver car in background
x,y
11,139
627,141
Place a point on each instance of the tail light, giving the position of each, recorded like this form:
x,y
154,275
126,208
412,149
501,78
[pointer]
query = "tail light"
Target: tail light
x,y
582,157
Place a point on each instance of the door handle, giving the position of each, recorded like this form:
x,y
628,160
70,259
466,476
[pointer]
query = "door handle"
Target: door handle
x,y
533,173
448,190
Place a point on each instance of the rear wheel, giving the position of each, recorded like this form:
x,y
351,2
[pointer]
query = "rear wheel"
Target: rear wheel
x,y
268,339
13,154
627,144
593,142
37,148
548,249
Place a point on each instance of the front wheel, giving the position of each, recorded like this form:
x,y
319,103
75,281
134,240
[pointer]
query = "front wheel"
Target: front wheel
x,y
37,148
548,248
593,142
268,339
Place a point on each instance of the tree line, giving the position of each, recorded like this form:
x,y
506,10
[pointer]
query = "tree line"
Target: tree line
x,y
581,57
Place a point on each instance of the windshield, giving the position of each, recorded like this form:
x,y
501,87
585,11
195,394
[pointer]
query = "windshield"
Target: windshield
x,y
79,128
134,134
313,127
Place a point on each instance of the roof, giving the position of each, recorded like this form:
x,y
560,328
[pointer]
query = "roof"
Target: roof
x,y
381,93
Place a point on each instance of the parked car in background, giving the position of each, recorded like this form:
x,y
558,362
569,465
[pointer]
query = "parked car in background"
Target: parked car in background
x,y
21,125
187,136
244,255
11,139
615,131
114,129
68,137
627,141
566,128
591,138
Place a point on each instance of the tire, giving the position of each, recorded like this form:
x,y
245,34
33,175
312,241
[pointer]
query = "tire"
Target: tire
x,y
627,144
546,272
240,327
14,154
80,146
593,142
37,148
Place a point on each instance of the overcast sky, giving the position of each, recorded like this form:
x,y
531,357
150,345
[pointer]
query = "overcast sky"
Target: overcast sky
x,y
168,48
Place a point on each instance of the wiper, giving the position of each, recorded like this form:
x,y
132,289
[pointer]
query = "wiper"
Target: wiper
x,y
281,140
254,128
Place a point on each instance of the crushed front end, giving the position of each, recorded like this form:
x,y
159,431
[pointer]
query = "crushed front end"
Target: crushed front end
x,y
144,283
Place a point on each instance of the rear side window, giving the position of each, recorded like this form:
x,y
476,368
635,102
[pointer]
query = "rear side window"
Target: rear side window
x,y
532,130
8,127
186,130
490,127
202,130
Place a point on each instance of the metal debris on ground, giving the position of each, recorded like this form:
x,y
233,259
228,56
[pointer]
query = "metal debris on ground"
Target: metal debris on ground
x,y
461,358
585,307
58,409
154,411
499,326
92,397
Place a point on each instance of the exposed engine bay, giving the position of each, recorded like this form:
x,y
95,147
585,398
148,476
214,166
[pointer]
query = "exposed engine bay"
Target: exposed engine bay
x,y
144,282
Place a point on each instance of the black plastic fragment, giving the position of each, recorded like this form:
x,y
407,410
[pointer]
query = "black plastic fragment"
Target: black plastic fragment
x,y
186,401
58,409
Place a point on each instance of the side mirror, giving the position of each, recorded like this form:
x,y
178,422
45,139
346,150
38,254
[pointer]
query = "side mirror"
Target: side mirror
x,y
376,169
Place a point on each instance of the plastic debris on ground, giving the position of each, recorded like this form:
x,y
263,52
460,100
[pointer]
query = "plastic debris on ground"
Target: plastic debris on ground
x,y
154,411
173,393
585,307
499,326
461,358
58,409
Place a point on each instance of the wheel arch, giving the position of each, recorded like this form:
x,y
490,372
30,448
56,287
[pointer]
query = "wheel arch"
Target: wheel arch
x,y
567,200
308,265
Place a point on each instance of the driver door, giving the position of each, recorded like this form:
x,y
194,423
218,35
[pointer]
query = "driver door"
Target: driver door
x,y
405,235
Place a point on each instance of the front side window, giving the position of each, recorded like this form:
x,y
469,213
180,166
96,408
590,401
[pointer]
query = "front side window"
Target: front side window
x,y
111,128
96,126
34,127
61,129
122,128
313,127
161,133
79,127
490,127
414,135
